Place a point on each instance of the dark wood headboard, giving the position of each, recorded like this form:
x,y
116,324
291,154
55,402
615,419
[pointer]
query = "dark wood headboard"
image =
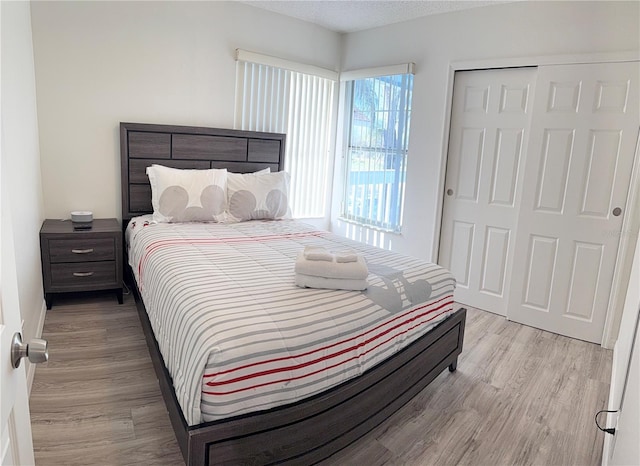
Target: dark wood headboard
x,y
189,147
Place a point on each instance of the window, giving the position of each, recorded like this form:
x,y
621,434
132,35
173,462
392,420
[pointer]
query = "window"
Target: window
x,y
279,96
379,114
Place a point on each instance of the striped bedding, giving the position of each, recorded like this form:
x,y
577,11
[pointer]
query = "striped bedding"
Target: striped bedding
x,y
238,336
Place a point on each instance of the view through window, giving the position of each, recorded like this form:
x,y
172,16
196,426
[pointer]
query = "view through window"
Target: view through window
x,y
376,152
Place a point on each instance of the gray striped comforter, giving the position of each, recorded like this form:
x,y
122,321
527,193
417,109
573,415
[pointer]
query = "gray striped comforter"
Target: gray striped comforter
x,y
238,336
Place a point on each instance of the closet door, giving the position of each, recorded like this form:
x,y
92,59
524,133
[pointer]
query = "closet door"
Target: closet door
x,y
578,166
490,116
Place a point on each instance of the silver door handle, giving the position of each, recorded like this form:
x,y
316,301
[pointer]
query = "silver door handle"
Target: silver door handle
x,y
36,350
82,251
82,274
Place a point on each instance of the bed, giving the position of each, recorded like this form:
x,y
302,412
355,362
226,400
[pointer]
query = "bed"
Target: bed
x,y
330,411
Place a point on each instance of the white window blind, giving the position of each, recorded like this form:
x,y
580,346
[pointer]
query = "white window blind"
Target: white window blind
x,y
276,99
379,112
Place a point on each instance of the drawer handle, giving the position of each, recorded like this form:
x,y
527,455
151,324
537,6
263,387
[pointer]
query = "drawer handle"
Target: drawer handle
x,y
82,274
82,251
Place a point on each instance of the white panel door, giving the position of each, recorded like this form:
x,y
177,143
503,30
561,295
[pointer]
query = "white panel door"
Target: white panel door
x,y
15,442
489,123
577,173
16,446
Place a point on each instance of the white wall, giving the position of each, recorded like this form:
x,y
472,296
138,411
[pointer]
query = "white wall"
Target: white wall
x,y
100,63
21,183
522,29
623,448
626,450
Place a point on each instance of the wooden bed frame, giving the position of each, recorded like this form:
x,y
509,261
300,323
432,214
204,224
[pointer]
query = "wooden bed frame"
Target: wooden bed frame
x,y
310,430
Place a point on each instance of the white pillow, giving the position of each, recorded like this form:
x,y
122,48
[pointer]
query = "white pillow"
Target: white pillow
x,y
187,195
256,196
235,176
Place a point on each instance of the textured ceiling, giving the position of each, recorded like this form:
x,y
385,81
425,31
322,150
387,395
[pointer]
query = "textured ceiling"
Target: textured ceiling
x,y
356,15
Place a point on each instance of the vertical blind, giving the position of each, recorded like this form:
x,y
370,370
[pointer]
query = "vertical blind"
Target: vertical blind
x,y
274,99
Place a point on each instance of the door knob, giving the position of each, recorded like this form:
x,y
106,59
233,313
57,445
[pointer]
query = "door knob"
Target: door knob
x,y
449,192
617,211
36,350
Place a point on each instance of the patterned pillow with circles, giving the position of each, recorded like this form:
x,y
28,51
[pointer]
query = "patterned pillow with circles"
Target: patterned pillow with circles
x,y
237,176
188,195
255,196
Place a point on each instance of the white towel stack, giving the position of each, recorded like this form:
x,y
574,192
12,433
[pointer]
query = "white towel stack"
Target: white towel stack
x,y
342,270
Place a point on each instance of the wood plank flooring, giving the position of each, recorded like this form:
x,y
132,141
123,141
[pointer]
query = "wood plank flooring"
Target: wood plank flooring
x,y
97,400
520,396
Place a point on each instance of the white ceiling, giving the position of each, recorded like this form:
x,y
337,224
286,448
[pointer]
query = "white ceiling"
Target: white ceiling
x,y
356,15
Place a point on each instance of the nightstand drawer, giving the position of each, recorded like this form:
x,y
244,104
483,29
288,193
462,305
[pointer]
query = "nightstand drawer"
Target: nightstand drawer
x,y
86,275
81,250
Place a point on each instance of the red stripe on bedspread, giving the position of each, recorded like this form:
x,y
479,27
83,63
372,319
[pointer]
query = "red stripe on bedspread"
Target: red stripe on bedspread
x,y
325,368
154,246
333,345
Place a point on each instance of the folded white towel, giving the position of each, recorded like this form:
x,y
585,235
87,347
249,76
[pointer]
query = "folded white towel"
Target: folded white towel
x,y
315,253
345,270
308,281
345,256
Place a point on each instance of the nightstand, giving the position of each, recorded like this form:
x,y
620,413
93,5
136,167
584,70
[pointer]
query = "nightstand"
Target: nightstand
x,y
81,260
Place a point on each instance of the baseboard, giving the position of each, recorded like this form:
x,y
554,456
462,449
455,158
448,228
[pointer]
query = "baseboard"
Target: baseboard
x,y
31,368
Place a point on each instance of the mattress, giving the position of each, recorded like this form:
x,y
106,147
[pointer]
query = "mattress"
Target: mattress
x,y
238,336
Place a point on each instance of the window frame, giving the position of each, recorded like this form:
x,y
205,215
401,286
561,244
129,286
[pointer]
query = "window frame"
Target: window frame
x,y
388,224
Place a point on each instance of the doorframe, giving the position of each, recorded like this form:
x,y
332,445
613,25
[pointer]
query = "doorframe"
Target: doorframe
x,y
631,221
624,259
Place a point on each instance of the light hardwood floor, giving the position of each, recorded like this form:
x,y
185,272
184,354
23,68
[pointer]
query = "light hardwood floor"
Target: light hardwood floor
x,y
519,396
